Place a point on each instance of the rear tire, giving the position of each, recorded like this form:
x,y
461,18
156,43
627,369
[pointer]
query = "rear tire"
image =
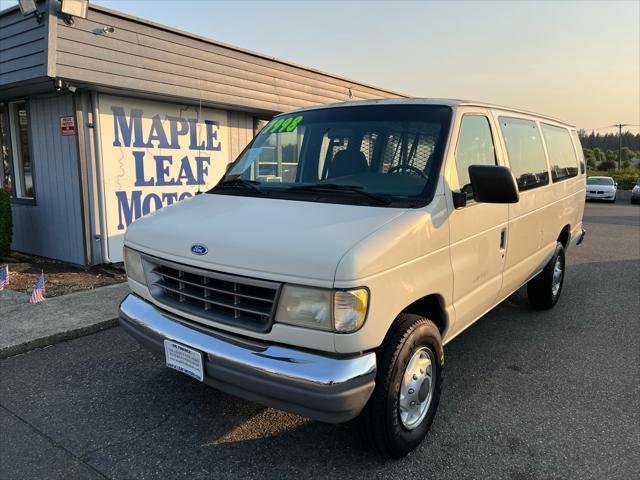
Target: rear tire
x,y
408,385
545,288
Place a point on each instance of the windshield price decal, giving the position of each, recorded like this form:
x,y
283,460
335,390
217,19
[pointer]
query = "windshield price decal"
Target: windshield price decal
x,y
283,125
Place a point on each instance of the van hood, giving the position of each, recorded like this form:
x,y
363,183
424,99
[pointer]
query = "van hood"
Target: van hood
x,y
286,240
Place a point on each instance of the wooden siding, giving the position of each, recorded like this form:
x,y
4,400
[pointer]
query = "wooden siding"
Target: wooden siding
x,y
53,226
139,56
23,47
240,132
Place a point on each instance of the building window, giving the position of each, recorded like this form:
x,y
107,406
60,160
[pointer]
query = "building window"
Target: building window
x,y
5,163
525,151
20,168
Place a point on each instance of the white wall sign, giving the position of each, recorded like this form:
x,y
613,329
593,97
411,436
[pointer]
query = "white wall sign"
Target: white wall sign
x,y
155,154
67,125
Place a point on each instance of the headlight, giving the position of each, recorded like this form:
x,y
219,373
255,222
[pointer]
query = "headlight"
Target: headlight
x,y
342,311
305,307
133,265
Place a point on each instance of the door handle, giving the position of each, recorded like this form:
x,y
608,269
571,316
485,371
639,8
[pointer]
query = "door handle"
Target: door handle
x,y
503,241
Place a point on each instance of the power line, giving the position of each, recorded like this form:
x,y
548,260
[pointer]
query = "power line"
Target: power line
x,y
599,128
609,126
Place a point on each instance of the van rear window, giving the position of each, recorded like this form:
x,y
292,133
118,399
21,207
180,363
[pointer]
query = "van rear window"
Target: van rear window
x,y
578,147
526,153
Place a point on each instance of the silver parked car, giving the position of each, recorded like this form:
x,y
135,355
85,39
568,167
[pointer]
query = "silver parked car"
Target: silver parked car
x,y
635,192
601,188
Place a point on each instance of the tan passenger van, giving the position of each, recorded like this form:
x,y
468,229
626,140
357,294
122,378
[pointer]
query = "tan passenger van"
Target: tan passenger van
x,y
347,245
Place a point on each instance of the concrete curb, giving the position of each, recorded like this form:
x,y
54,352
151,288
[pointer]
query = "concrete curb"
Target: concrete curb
x,y
57,338
24,327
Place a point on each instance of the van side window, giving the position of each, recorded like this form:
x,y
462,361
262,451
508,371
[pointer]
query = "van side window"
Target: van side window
x,y
475,146
578,145
562,155
526,153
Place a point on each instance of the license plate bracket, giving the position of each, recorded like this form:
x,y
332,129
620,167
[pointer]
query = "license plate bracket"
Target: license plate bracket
x,y
184,359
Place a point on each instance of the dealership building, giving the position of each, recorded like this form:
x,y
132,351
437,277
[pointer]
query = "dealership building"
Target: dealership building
x,y
105,117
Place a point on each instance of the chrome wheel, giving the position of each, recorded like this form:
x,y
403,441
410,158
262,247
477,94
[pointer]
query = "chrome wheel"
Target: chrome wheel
x,y
558,272
416,389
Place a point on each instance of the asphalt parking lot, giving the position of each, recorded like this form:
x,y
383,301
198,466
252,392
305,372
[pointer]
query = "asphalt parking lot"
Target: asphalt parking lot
x,y
527,395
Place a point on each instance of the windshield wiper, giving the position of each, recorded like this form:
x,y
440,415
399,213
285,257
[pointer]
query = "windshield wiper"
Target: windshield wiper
x,y
240,182
335,187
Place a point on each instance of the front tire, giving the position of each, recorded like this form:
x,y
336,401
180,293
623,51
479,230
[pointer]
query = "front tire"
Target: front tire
x,y
545,288
408,385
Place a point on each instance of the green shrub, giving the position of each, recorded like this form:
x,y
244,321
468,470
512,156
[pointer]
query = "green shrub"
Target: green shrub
x,y
6,225
607,165
625,177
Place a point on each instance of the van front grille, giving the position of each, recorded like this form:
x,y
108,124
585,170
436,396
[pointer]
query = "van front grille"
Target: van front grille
x,y
213,296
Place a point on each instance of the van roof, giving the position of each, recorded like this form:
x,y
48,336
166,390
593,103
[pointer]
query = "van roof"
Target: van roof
x,y
450,102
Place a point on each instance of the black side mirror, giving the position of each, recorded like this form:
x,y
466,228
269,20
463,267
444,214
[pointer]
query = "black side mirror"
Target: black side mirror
x,y
493,184
460,197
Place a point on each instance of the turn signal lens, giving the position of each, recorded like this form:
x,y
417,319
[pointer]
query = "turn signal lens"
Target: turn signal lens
x,y
350,309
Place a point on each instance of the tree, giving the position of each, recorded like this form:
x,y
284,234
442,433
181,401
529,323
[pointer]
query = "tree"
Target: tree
x,y
599,155
590,158
609,141
627,154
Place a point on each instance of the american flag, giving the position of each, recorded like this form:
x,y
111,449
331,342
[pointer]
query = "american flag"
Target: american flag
x,y
38,292
4,277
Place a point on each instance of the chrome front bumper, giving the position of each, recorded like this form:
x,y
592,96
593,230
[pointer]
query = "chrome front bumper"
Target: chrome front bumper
x,y
314,385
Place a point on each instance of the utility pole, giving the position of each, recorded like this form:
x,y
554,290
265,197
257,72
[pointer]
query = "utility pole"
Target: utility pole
x,y
620,125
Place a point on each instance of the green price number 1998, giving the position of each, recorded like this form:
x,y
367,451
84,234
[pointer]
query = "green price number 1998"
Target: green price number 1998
x,y
283,125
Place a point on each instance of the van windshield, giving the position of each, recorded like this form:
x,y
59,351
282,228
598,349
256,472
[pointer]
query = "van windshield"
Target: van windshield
x,y
380,155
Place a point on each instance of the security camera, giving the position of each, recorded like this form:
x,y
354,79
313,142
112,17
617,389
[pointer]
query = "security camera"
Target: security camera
x,y
108,29
71,88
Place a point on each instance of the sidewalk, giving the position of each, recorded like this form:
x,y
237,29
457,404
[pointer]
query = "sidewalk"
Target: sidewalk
x,y
24,326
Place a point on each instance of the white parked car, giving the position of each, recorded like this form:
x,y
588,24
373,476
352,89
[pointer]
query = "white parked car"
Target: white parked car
x,y
601,188
331,291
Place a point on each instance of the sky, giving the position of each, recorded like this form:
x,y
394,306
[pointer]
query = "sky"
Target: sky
x,y
576,60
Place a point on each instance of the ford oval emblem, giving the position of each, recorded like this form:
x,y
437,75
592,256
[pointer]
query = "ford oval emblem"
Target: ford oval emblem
x,y
199,249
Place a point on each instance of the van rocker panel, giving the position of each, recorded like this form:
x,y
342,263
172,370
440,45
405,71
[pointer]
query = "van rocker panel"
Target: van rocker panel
x,y
324,388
